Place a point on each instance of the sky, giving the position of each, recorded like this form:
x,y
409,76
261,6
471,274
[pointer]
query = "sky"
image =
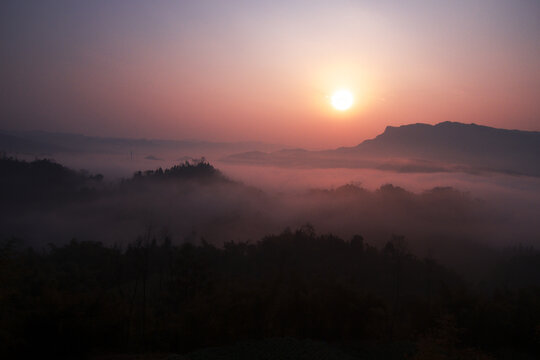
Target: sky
x,y
266,70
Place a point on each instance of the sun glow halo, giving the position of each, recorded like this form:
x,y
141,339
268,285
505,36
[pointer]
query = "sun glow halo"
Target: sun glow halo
x,y
342,100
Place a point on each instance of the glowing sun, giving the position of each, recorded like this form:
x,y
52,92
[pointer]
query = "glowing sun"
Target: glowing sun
x,y
342,100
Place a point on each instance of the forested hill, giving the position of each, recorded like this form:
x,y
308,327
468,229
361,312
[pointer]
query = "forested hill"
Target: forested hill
x,y
44,180
23,182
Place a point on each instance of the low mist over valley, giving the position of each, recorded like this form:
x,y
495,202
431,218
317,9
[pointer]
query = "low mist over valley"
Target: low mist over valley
x,y
449,212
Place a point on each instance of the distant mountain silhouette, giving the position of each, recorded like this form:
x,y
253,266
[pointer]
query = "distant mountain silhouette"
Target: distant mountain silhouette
x,y
46,143
445,147
15,144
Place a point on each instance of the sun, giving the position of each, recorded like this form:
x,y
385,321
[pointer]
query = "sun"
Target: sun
x,y
342,100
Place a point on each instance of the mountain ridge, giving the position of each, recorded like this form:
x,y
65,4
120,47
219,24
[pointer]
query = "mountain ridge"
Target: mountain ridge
x,y
447,146
46,143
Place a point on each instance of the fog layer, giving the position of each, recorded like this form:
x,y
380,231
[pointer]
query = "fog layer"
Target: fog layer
x,y
197,202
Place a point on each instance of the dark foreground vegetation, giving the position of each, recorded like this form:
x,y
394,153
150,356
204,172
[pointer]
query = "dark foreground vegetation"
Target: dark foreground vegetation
x,y
296,295
84,299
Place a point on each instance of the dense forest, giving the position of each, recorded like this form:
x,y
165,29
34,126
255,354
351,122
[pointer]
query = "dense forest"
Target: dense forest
x,y
84,298
320,294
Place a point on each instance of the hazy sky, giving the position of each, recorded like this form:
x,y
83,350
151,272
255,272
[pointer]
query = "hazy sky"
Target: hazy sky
x,y
263,70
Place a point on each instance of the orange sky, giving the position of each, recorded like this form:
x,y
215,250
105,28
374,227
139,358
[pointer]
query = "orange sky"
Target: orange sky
x,y
264,70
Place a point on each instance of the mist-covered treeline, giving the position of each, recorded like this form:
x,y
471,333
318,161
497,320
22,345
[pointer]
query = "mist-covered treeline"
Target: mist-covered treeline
x,y
85,298
43,202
